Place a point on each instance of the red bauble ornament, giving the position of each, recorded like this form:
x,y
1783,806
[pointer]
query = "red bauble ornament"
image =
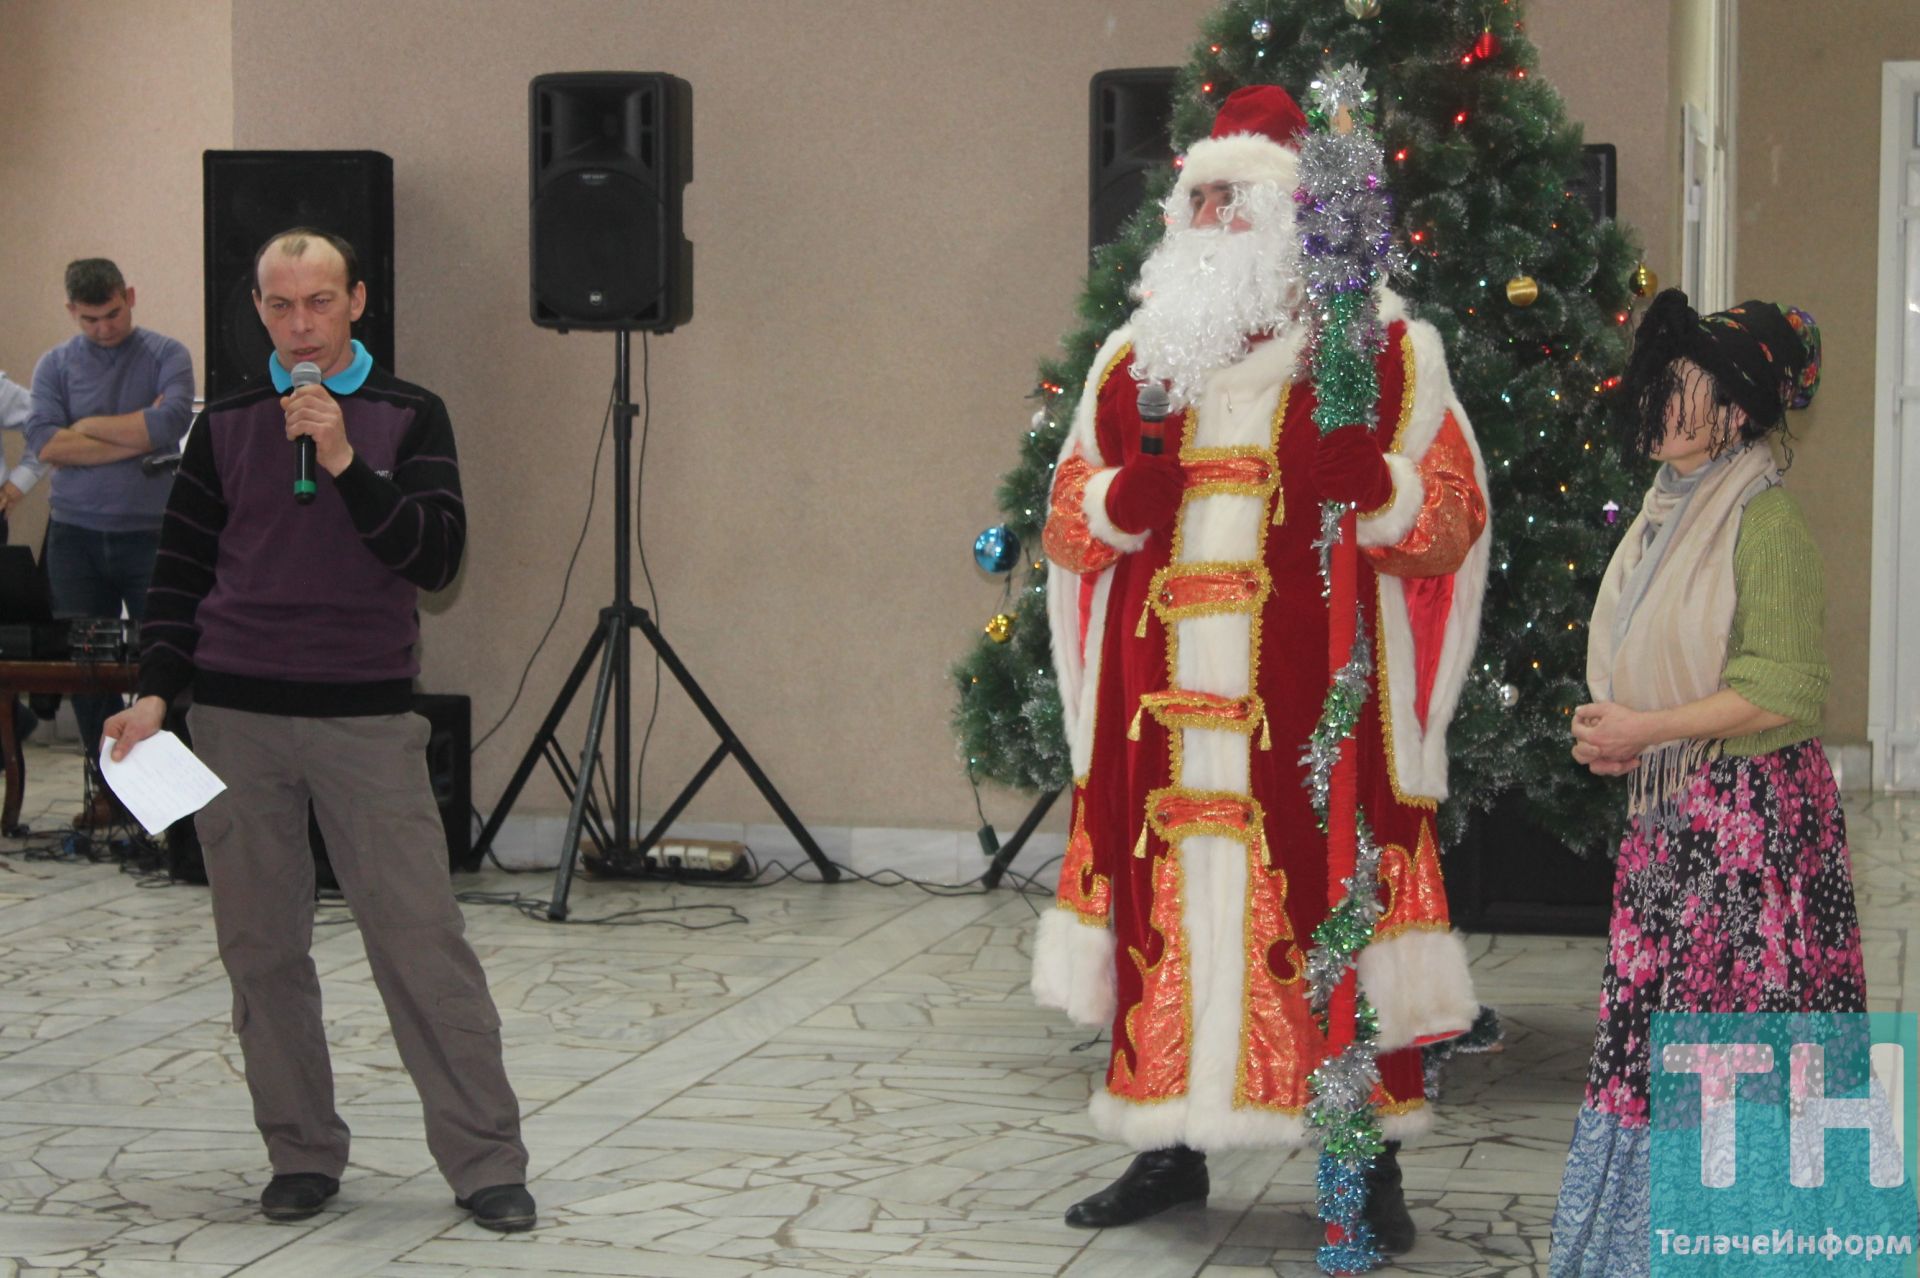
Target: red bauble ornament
x,y
1487,46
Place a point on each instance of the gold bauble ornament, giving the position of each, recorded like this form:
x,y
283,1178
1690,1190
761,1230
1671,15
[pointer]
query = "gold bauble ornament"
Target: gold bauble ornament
x,y
1643,281
1364,8
1523,290
1000,627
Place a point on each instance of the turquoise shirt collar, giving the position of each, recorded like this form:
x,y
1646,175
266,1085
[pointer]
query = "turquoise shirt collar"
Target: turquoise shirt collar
x,y
345,382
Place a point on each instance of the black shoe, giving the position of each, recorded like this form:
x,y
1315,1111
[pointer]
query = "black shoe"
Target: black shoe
x,y
296,1195
1386,1207
506,1208
1157,1180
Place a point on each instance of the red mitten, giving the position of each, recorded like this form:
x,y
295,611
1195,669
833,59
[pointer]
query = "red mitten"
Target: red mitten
x,y
1349,465
1146,493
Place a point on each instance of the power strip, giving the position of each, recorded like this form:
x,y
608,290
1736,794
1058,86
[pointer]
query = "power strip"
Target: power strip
x,y
698,856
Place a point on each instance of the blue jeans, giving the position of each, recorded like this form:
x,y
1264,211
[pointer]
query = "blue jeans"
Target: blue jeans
x,y
92,574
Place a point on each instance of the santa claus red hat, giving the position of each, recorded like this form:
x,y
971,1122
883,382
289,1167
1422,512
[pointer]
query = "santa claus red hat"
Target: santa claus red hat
x,y
1256,138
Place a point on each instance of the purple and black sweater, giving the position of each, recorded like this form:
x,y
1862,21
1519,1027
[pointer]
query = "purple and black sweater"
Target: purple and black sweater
x,y
265,605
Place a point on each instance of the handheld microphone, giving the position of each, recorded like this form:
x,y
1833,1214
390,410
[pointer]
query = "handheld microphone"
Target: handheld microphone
x,y
305,373
1155,406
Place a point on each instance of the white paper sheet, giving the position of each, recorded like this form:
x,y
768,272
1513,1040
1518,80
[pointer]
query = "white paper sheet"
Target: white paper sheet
x,y
159,781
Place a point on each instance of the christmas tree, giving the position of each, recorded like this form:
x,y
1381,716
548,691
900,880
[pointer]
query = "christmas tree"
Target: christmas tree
x,y
1533,298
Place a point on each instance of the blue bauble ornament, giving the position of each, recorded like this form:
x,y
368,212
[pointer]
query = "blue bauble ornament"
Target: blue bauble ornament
x,y
996,549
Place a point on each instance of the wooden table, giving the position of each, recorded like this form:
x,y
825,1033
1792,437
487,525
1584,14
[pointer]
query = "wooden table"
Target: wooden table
x,y
66,677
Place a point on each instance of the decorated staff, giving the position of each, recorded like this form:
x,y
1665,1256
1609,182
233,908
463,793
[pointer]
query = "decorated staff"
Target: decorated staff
x,y
1346,234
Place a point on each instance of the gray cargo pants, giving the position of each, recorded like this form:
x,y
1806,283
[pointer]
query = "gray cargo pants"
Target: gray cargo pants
x,y
367,778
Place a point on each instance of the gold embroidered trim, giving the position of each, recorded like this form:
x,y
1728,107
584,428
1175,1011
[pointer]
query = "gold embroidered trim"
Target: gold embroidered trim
x,y
1126,349
1235,471
1278,1042
1173,710
1085,891
1166,995
1406,392
1180,591
1430,925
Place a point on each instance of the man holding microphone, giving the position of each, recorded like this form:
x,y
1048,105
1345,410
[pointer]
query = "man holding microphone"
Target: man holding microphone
x,y
285,596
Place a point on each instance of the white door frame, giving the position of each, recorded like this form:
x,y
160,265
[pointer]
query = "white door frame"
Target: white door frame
x,y
1893,672
1706,176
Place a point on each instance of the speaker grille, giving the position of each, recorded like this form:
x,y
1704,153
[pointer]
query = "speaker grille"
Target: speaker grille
x,y
597,238
609,156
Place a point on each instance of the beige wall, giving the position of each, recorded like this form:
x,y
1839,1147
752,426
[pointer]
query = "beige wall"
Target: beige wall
x,y
1808,201
889,221
1606,57
888,212
106,107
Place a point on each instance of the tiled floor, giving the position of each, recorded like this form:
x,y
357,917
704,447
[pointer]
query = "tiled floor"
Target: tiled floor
x,y
851,1081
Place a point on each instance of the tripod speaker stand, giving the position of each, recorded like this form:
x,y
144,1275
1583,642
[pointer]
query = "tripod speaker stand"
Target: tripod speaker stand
x,y
611,643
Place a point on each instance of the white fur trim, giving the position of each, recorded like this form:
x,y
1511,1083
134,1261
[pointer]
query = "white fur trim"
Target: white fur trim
x,y
1239,157
1073,968
1420,754
1081,433
1180,1122
1418,982
1409,1127
1393,523
1099,523
1069,667
1076,659
1261,374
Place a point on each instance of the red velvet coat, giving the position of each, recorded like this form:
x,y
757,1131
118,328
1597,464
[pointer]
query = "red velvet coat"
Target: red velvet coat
x,y
1192,661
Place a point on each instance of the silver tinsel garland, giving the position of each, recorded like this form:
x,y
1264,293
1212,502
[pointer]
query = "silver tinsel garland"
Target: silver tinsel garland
x,y
1338,714
1346,228
1331,513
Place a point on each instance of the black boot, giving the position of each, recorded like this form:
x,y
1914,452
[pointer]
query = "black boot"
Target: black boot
x,y
1387,1204
1158,1179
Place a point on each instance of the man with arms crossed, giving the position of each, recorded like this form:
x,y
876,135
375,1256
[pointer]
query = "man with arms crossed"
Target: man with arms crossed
x,y
101,401
295,626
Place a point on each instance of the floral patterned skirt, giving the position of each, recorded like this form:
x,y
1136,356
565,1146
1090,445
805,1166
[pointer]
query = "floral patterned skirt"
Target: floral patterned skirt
x,y
1744,903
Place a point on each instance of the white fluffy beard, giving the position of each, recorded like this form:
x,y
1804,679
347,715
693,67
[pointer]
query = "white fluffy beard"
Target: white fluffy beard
x,y
1204,291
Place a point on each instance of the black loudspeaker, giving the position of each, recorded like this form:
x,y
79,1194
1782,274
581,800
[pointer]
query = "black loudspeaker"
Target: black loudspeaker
x,y
247,196
1598,185
1131,134
449,772
610,155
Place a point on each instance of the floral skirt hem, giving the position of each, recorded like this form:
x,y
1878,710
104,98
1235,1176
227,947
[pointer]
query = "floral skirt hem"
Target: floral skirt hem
x,y
1741,902
1603,1225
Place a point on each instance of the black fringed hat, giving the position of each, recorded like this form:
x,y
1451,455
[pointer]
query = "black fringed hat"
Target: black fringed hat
x,y
1763,357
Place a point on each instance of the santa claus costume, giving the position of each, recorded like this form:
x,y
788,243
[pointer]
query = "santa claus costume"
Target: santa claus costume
x,y
1190,641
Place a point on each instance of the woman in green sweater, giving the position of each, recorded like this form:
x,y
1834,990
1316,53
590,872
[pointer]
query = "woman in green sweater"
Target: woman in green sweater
x,y
1733,891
